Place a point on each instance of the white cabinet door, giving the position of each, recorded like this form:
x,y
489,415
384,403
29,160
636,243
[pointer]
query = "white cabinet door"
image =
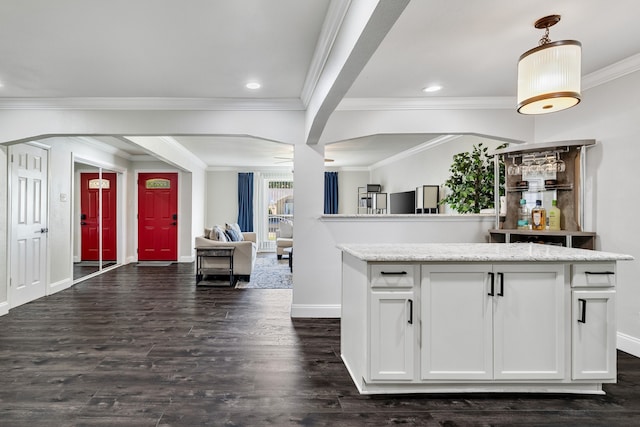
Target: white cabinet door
x,y
529,321
456,322
392,335
593,335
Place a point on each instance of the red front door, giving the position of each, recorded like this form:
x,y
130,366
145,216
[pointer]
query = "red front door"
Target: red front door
x,y
90,222
157,216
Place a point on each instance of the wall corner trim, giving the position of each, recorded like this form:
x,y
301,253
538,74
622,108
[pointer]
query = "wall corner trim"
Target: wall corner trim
x,y
4,308
316,310
628,344
58,286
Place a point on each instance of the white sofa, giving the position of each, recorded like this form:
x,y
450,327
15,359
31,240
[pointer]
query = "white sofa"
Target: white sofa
x,y
244,255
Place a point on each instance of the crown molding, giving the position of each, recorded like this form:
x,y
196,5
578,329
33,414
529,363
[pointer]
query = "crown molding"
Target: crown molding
x,y
105,103
255,168
614,71
431,103
335,16
348,168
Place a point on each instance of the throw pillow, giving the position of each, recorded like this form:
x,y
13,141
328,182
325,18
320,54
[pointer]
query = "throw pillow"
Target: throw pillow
x,y
236,228
233,236
286,229
207,233
218,234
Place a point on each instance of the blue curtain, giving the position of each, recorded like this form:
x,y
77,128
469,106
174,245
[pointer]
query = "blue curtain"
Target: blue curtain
x,y
331,192
245,201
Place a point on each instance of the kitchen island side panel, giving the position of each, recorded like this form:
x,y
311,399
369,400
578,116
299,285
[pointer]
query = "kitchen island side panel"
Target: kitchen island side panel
x,y
353,322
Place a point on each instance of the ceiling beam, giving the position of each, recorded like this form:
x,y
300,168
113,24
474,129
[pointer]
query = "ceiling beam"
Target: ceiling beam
x,y
363,28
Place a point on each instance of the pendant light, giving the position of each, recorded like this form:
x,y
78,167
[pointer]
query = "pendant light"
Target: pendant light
x,y
549,74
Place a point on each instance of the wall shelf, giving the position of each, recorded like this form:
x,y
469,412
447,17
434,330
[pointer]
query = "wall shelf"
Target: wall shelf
x,y
566,187
570,239
568,190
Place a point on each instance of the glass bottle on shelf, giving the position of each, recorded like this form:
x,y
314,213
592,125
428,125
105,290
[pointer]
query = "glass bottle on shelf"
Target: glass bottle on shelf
x,y
538,217
554,216
523,215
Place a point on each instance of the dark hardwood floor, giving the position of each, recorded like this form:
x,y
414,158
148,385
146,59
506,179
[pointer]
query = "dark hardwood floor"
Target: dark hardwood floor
x,y
143,346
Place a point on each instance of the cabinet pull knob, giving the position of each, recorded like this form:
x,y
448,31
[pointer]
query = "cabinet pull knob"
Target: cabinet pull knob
x,y
599,272
410,311
501,278
583,311
491,293
393,273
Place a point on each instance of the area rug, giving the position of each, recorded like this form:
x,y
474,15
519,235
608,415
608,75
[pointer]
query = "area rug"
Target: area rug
x,y
269,273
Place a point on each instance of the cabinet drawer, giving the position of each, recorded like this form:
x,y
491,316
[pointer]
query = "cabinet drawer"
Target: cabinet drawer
x,y
600,275
392,275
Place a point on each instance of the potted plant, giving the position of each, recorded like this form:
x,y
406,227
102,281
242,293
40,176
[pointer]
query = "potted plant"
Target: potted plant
x,y
472,181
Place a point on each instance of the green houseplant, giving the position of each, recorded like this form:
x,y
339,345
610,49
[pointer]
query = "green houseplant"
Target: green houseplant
x,y
472,181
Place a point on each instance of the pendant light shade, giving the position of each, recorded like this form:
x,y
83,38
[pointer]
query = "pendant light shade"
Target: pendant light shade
x,y
549,75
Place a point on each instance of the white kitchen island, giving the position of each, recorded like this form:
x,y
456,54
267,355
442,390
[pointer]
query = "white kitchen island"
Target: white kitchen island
x,y
434,318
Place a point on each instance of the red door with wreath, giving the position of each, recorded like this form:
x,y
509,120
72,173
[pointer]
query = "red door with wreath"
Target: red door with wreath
x,y
157,216
91,220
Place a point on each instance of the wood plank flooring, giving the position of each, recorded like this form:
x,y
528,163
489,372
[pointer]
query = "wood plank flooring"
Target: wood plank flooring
x,y
143,346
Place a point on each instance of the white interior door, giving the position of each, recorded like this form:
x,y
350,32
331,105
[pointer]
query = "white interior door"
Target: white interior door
x,y
29,191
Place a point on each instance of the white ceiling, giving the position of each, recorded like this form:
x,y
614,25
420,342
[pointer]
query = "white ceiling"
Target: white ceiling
x,y
169,50
472,47
157,48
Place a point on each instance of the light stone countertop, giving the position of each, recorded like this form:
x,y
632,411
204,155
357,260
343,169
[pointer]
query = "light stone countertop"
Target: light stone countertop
x,y
475,252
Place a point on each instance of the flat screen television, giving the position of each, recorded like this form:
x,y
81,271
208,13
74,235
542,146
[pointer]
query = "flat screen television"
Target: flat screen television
x,y
402,203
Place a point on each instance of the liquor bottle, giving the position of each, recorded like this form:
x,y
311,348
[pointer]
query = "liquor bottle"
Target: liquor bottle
x,y
554,216
538,217
523,215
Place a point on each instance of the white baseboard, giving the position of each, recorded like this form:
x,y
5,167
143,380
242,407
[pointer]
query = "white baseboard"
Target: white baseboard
x,y
316,310
628,344
59,286
4,308
187,258
131,259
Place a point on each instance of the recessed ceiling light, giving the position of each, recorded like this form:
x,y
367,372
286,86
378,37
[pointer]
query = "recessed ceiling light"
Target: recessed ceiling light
x,y
432,88
253,85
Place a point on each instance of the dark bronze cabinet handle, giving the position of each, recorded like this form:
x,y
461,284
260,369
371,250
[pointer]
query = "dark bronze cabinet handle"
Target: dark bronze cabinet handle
x,y
393,273
583,312
491,293
599,272
501,278
411,312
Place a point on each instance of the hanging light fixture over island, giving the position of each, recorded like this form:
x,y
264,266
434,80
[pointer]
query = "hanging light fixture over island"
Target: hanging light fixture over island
x,y
549,74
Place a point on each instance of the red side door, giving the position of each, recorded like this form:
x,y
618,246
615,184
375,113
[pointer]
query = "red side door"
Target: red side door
x,y
157,216
90,223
